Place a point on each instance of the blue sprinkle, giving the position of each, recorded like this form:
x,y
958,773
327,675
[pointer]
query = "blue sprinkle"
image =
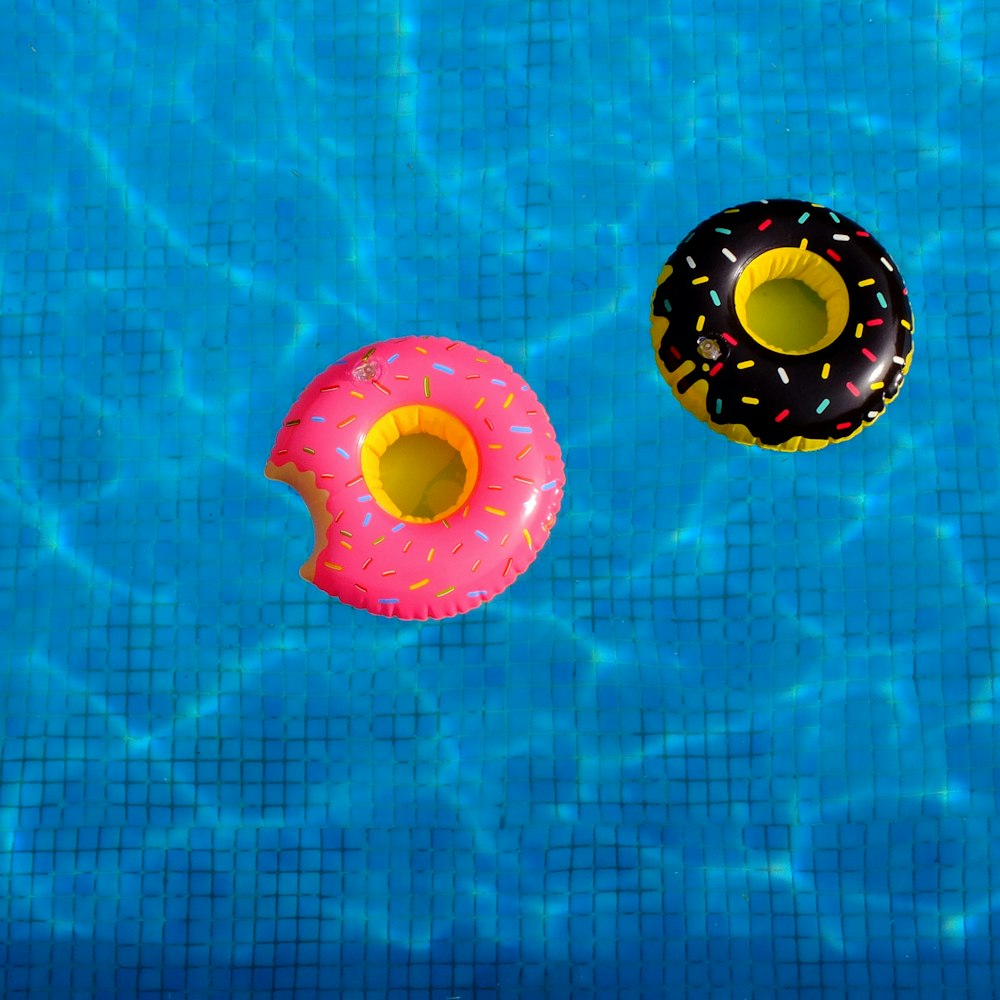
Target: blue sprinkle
x,y
520,430
319,420
443,368
835,217
485,538
803,217
878,295
549,485
393,358
725,232
498,381
388,600
365,498
718,405
399,527
822,406
715,297
367,520
667,306
342,453
476,593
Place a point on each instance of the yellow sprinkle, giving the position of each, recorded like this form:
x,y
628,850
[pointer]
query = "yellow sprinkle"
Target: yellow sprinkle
x,y
700,325
745,364
825,373
701,280
357,395
427,386
877,385
430,555
444,593
495,446
527,538
377,540
803,244
347,545
905,325
419,584
859,330
750,400
508,401
423,350
729,211
866,282
332,566
482,399
493,510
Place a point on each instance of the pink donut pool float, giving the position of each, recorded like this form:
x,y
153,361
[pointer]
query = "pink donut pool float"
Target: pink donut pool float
x,y
432,474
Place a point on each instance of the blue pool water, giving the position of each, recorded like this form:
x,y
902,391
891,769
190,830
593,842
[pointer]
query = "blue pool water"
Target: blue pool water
x,y
735,733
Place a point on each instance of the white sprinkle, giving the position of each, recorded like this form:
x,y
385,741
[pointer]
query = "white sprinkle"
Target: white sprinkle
x,y
872,414
691,262
887,264
843,237
783,375
728,254
899,360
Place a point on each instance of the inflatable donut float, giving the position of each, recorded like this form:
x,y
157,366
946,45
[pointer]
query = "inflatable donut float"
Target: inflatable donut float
x,y
782,324
432,474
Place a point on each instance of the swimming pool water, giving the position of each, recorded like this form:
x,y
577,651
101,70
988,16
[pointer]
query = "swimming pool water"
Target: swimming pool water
x,y
735,732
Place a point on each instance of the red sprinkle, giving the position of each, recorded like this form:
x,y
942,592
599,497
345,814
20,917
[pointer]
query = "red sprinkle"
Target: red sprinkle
x,y
728,339
675,352
765,224
868,354
861,232
836,256
852,388
843,427
715,369
874,322
781,416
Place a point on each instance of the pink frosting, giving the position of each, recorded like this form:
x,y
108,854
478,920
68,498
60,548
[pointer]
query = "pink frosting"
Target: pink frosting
x,y
412,570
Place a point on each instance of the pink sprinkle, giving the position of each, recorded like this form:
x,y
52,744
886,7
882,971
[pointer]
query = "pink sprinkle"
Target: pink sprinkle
x,y
728,339
852,388
868,354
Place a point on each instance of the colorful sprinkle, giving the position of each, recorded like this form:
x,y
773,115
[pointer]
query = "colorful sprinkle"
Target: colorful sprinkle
x,y
427,386
881,300
781,416
836,256
443,368
729,255
875,386
516,429
745,364
852,389
494,510
783,375
550,485
751,400
765,224
701,280
868,354
803,217
419,584
887,264
728,339
825,373
482,535
866,282
725,232
715,297
822,406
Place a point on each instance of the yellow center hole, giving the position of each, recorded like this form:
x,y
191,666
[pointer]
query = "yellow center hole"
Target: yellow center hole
x,y
787,314
420,463
792,301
